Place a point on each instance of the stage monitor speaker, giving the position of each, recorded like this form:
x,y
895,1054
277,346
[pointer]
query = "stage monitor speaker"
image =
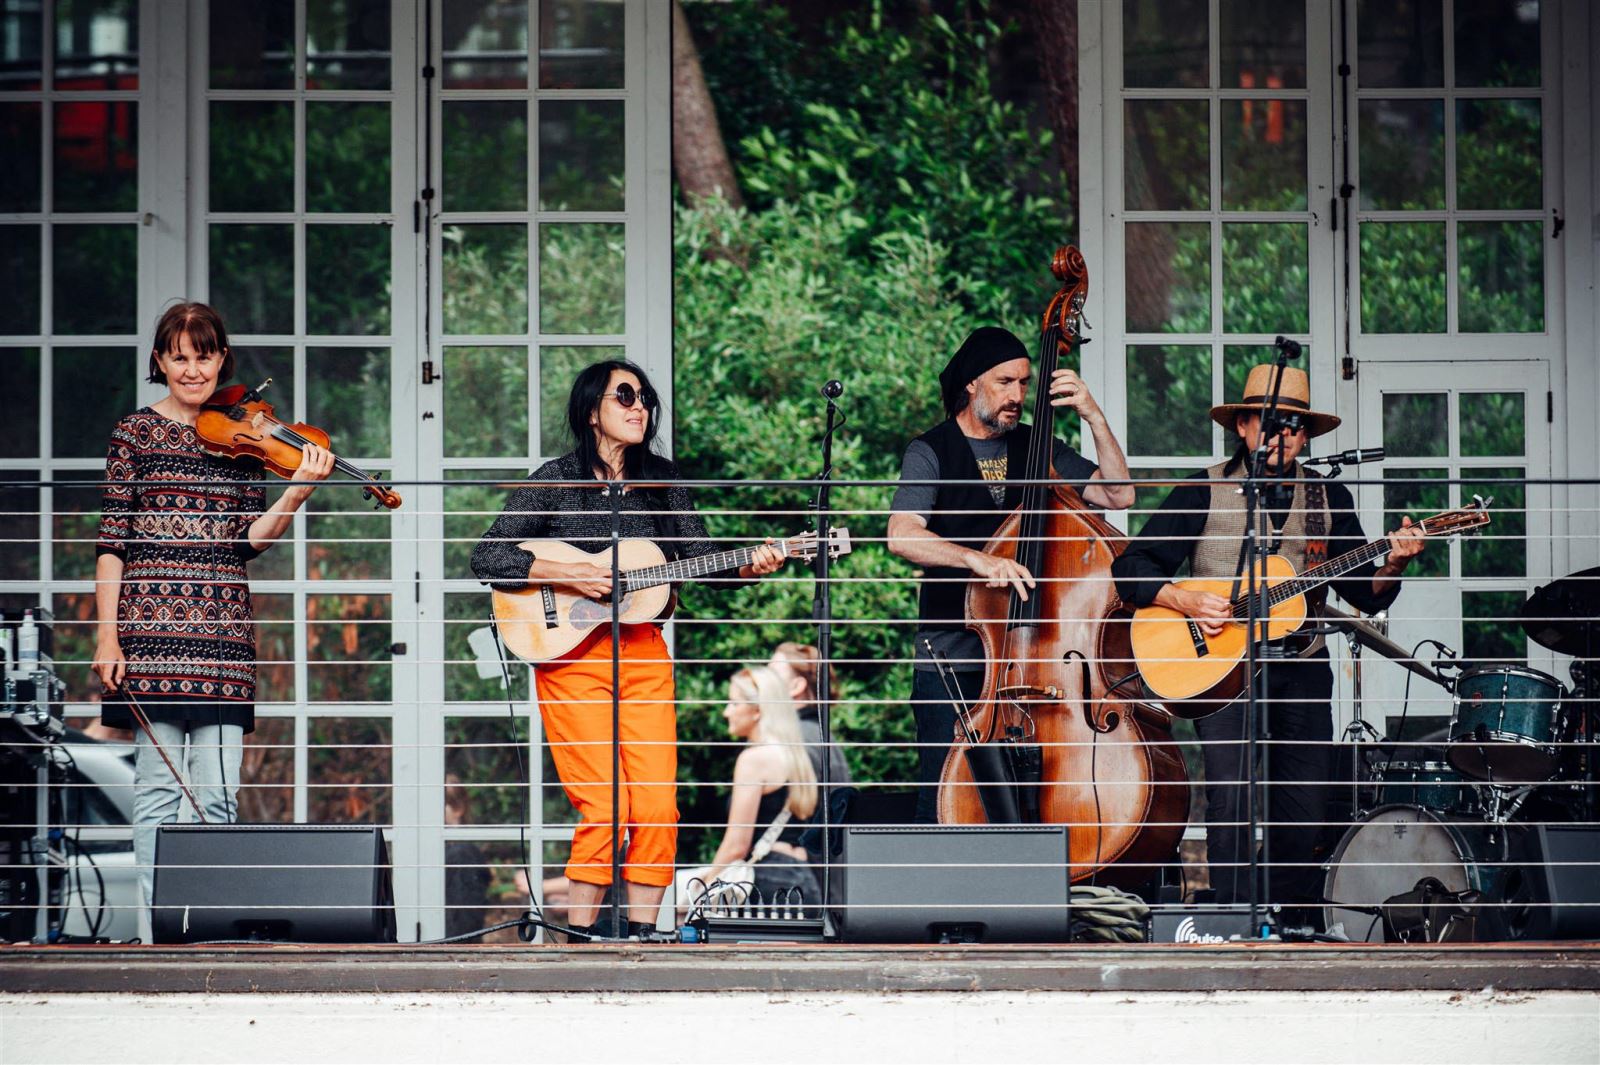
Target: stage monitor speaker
x,y
944,883
1555,894
292,883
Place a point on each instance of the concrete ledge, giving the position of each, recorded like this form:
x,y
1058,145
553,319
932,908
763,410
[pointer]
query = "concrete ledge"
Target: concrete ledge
x,y
799,969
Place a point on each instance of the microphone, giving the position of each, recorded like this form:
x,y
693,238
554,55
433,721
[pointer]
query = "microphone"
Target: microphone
x,y
833,390
1290,348
1347,458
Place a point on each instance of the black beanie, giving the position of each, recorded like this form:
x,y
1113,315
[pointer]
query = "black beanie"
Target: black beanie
x,y
983,350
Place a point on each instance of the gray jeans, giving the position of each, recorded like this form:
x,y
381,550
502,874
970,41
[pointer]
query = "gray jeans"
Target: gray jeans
x,y
208,757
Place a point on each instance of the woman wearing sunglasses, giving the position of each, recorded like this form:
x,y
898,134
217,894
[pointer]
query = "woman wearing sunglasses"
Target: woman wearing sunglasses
x,y
612,415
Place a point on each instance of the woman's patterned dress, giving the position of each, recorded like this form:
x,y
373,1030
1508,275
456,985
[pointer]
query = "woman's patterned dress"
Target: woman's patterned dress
x,y
182,531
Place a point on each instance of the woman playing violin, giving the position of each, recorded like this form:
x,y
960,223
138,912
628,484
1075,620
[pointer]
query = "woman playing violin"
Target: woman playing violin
x,y
175,629
612,415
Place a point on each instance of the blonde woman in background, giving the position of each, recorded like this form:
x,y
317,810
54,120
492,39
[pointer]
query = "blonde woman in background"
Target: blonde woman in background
x,y
773,773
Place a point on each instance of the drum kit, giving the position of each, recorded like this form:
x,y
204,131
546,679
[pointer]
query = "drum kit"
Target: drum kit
x,y
1447,843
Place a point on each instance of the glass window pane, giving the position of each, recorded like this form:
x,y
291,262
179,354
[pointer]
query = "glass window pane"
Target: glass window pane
x,y
347,157
91,389
19,279
253,365
75,522
95,285
1264,155
1500,549
1492,629
581,153
485,149
74,644
97,44
1265,278
1492,423
252,44
486,45
22,146
1169,277
266,792
19,524
346,538
580,44
469,510
1154,486
1166,44
349,770
558,368
1169,394
465,614
485,279
1498,162
19,413
1167,152
482,765
252,277
252,155
1237,362
1402,154
347,44
274,614
347,279
481,882
1497,43
1400,43
96,155
1502,277
347,648
1263,44
1418,494
21,40
485,401
582,278
1416,424
347,395
1402,277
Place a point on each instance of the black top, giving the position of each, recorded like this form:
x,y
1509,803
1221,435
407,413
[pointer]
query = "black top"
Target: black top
x,y
1154,557
772,804
582,517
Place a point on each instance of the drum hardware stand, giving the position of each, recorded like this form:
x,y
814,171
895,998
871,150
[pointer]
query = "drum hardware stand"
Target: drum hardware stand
x,y
1359,731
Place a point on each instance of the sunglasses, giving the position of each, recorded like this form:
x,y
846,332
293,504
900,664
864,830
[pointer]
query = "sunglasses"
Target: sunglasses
x,y
626,395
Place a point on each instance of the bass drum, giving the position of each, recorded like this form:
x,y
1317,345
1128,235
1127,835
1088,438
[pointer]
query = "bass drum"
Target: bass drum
x,y
1396,846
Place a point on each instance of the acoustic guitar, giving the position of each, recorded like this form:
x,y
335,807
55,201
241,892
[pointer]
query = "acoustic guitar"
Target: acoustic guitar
x,y
540,622
1194,674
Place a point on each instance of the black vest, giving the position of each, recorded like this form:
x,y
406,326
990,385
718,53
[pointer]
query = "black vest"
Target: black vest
x,y
965,514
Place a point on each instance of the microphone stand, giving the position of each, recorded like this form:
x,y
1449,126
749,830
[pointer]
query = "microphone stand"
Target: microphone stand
x,y
822,616
1253,559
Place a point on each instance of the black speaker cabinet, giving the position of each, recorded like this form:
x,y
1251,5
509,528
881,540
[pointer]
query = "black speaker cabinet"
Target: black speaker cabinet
x,y
294,883
928,884
1555,893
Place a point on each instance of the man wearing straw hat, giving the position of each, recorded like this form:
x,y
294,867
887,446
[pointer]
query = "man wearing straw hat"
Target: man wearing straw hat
x,y
1202,522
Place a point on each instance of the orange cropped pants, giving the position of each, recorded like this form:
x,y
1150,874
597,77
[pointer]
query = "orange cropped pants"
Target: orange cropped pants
x,y
575,703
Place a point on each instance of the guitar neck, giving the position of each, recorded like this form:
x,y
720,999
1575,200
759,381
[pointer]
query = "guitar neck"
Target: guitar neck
x,y
1317,576
689,569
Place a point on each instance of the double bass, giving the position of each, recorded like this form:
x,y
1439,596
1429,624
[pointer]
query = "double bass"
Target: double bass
x,y
1105,765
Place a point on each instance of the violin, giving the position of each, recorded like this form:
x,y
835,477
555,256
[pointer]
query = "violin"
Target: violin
x,y
1049,736
227,426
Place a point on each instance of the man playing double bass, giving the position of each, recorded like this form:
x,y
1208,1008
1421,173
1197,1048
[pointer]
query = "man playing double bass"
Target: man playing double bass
x,y
943,523
1202,522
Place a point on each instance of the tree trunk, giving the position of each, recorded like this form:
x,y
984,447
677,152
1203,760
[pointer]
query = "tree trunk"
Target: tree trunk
x,y
1147,250
699,158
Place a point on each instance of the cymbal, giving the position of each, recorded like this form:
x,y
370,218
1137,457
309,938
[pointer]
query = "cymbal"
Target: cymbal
x,y
1565,615
1367,635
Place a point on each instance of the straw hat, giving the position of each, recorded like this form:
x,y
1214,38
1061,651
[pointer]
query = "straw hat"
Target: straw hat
x,y
1294,396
